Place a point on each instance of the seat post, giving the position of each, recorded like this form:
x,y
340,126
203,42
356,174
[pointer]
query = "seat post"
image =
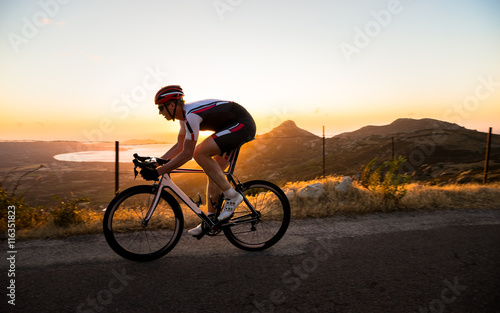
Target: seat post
x,y
233,157
232,160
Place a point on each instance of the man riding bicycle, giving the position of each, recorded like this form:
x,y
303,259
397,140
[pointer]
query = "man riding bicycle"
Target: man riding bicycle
x,y
232,126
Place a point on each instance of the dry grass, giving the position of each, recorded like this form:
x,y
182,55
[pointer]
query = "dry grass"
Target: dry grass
x,y
91,223
469,196
357,200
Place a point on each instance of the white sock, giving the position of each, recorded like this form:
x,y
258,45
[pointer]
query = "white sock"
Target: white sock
x,y
230,193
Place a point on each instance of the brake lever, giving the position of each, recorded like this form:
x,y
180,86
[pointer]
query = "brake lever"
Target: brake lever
x,y
135,170
136,165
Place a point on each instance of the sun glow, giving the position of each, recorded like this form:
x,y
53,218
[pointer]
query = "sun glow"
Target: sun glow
x,y
65,81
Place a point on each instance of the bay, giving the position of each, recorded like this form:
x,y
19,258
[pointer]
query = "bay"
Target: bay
x,y
109,155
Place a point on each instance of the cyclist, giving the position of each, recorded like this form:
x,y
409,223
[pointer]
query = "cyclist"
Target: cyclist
x,y
232,126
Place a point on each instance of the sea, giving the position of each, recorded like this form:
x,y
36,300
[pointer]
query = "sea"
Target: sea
x,y
126,156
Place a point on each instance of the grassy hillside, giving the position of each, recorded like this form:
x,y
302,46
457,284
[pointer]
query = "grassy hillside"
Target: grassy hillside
x,y
435,150
438,152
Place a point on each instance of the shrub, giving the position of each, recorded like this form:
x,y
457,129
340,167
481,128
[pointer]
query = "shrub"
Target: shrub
x,y
386,180
68,213
26,215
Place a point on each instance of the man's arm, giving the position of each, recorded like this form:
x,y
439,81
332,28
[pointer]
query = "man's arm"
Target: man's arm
x,y
179,145
180,159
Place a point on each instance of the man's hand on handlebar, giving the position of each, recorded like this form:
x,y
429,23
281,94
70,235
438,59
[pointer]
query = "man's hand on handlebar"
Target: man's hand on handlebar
x,y
149,174
148,166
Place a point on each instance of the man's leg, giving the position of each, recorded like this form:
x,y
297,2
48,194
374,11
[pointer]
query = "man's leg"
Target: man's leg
x,y
203,156
213,192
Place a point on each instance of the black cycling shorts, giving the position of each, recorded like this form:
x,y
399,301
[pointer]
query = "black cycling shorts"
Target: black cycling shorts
x,y
235,135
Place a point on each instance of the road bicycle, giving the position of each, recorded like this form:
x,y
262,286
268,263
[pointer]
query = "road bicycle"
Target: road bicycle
x,y
145,222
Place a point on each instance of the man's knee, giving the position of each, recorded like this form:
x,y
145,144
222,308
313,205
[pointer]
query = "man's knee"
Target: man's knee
x,y
201,155
198,155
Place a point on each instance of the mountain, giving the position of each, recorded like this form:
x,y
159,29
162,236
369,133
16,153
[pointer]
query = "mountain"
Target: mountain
x,y
401,126
435,150
287,129
277,154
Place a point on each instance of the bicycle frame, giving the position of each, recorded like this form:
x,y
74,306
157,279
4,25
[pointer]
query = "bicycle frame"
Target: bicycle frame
x,y
166,182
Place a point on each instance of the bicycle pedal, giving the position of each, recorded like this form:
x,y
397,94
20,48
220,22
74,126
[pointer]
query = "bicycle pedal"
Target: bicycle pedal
x,y
200,235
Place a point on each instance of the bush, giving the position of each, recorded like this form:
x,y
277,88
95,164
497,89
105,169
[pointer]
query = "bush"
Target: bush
x,y
26,215
68,213
386,179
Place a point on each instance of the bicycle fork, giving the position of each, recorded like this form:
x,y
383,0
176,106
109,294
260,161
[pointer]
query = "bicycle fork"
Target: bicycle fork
x,y
153,205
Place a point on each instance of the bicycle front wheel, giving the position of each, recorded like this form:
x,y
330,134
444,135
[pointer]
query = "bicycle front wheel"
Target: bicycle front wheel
x,y
262,227
124,229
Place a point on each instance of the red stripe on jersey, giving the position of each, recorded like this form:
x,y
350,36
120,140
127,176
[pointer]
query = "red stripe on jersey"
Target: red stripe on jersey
x,y
240,126
192,136
203,109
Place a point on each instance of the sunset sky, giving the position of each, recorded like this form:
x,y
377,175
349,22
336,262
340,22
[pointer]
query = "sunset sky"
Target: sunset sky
x,y
88,70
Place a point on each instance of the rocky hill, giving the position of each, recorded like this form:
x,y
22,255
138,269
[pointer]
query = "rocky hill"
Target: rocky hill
x,y
435,150
401,126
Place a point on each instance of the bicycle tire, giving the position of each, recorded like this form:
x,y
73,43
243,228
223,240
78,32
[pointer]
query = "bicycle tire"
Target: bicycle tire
x,y
274,209
123,229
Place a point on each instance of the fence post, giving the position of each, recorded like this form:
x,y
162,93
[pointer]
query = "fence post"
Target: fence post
x,y
324,152
117,166
487,158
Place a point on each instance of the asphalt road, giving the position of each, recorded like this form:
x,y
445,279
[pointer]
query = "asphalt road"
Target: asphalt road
x,y
400,262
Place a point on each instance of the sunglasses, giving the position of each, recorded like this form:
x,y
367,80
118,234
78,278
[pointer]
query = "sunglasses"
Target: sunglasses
x,y
160,107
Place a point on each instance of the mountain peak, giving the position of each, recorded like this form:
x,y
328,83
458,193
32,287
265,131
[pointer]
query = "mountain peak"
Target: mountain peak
x,y
288,129
287,125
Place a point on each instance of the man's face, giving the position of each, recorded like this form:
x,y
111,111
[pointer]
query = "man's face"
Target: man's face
x,y
166,110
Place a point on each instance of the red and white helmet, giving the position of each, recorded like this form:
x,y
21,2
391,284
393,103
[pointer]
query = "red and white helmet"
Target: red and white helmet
x,y
168,93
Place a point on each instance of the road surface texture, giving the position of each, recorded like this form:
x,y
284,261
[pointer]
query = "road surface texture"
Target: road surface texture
x,y
446,261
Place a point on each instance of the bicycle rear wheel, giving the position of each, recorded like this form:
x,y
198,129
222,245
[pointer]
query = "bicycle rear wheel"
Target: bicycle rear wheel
x,y
253,232
126,234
